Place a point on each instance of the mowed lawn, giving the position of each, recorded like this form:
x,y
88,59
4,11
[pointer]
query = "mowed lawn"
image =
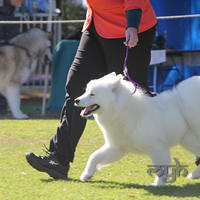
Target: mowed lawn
x,y
123,180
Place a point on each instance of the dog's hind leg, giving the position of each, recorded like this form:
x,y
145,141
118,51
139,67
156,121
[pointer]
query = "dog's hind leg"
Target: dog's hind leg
x,y
103,156
161,159
12,94
195,174
192,143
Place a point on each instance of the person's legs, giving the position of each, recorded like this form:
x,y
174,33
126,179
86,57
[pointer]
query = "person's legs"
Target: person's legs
x,y
88,64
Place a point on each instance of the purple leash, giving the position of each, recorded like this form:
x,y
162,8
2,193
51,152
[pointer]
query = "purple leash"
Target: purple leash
x,y
125,71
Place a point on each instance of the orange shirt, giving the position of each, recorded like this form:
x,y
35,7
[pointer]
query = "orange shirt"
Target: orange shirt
x,y
109,16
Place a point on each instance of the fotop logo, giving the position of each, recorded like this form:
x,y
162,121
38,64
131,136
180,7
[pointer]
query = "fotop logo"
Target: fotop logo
x,y
170,171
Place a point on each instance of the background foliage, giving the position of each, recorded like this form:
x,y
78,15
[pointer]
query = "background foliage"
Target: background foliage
x,y
72,11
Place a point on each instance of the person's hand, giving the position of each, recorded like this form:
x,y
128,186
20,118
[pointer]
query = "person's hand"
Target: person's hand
x,y
17,3
131,37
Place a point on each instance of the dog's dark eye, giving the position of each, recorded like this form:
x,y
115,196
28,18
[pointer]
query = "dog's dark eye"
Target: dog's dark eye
x,y
92,94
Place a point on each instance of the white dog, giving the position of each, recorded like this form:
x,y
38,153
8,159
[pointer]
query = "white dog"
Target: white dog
x,y
18,60
138,123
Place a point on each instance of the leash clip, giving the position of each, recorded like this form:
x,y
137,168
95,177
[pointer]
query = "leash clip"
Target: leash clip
x,y
125,71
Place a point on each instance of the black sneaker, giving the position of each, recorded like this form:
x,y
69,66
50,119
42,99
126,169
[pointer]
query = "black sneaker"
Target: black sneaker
x,y
48,164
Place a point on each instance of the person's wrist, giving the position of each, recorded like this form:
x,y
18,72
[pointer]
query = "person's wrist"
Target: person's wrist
x,y
131,37
132,28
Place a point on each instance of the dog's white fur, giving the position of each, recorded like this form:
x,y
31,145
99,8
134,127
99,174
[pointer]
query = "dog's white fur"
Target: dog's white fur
x,y
17,61
138,123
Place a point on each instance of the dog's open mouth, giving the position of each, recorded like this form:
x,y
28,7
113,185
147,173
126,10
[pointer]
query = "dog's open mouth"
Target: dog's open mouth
x,y
87,111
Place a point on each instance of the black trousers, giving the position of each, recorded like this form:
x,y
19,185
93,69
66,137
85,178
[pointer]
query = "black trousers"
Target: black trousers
x,y
95,57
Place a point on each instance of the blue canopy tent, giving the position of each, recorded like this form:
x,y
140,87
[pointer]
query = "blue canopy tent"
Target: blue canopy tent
x,y
181,33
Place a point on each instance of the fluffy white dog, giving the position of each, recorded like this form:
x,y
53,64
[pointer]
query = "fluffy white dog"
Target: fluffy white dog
x,y
138,123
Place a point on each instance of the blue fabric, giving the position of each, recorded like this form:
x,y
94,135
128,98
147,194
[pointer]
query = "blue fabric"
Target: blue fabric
x,y
42,5
62,60
181,33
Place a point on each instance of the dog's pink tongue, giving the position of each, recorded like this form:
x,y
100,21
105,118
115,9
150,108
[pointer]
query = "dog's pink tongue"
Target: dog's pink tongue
x,y
84,111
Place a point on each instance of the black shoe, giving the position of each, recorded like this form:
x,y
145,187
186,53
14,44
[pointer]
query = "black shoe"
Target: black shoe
x,y
197,161
48,164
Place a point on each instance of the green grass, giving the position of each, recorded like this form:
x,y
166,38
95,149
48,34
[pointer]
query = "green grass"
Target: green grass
x,y
123,180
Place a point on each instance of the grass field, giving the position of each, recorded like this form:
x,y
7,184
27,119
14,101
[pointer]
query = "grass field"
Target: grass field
x,y
123,180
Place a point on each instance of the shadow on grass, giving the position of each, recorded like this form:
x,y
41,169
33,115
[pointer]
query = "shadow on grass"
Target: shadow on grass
x,y
188,190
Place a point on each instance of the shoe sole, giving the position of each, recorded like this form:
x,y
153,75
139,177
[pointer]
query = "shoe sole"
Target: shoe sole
x,y
54,174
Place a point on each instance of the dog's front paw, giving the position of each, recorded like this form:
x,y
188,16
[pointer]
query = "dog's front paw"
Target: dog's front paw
x,y
21,116
159,181
157,184
153,184
193,176
189,176
85,176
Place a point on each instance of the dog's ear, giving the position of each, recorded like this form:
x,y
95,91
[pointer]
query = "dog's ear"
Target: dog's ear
x,y
120,76
116,82
110,75
113,74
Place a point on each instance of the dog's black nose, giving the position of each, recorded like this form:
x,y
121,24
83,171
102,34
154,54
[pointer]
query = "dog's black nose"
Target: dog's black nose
x,y
76,101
